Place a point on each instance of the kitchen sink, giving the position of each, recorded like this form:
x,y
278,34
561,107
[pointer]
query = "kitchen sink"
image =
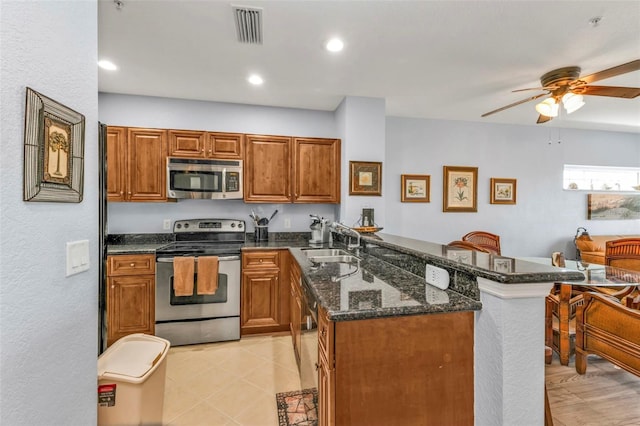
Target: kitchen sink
x,y
325,252
333,259
330,256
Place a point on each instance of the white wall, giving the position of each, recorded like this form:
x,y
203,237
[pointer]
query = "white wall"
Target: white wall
x,y
143,111
545,217
361,125
48,323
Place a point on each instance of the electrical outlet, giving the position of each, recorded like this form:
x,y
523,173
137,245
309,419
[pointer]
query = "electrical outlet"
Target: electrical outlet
x,y
437,277
166,224
287,222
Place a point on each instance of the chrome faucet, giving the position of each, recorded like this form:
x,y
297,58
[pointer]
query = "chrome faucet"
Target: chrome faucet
x,y
340,229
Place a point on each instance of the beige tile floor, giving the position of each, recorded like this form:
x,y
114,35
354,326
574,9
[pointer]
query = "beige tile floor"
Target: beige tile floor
x,y
229,383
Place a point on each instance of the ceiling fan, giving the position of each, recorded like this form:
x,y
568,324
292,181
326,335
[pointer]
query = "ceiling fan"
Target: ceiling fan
x,y
565,85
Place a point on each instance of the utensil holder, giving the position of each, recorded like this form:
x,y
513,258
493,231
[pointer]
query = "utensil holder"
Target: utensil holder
x,y
261,233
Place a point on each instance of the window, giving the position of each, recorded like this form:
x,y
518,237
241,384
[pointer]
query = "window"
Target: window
x,y
601,178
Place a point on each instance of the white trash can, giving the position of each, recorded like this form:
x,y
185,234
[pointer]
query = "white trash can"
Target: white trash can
x,y
131,376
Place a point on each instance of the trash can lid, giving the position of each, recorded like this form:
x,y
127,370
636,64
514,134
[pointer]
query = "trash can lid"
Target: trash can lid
x,y
132,356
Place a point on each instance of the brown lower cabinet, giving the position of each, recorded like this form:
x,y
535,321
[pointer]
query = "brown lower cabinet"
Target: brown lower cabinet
x,y
409,370
130,295
265,291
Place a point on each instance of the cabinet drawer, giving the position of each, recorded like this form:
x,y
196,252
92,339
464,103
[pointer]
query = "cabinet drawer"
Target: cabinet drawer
x,y
131,264
325,336
261,259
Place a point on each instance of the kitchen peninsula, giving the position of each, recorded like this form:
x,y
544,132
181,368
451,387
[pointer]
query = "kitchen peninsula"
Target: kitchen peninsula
x,y
397,349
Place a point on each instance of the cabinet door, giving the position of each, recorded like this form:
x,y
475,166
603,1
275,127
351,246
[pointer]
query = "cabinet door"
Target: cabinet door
x,y
146,165
116,150
225,145
316,170
267,171
260,301
326,393
130,306
187,143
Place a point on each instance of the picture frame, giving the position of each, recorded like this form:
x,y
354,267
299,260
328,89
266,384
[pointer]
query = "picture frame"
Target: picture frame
x,y
502,264
415,188
460,191
53,151
503,191
459,254
365,178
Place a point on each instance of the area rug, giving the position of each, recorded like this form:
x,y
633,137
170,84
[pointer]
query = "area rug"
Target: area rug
x,y
298,408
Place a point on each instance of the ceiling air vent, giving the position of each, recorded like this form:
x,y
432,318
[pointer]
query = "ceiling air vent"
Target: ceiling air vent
x,y
248,24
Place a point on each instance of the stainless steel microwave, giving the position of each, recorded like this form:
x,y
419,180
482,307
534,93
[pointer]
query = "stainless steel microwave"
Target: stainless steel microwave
x,y
204,178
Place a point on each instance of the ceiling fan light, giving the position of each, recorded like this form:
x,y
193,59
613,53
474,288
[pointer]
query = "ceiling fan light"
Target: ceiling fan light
x,y
548,108
572,102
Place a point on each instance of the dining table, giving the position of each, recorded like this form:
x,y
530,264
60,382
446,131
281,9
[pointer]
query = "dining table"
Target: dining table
x,y
595,276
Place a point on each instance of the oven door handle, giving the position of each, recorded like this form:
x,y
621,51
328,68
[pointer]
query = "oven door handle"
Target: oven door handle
x,y
220,258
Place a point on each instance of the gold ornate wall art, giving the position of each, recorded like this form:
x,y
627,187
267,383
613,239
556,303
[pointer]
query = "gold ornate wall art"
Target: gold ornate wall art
x,y
365,178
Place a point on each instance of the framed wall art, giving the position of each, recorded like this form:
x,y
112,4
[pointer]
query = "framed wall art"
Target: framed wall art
x,y
613,206
415,188
365,178
53,151
460,189
503,191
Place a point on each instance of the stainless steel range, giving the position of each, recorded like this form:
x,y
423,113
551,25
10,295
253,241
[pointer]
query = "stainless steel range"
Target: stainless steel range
x,y
185,320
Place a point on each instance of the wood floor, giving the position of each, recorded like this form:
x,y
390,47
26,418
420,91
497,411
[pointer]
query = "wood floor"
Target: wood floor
x,y
605,395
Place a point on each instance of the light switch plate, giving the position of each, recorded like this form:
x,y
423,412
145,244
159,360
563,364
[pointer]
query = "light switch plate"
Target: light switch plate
x,y
437,277
77,257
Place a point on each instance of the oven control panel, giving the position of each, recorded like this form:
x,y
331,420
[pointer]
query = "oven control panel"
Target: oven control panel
x,y
208,225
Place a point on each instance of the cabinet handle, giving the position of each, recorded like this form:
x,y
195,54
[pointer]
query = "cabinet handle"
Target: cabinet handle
x,y
129,192
121,192
113,286
260,261
210,151
132,265
323,332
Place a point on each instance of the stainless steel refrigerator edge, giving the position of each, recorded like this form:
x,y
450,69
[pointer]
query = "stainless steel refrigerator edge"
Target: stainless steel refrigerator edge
x,y
102,237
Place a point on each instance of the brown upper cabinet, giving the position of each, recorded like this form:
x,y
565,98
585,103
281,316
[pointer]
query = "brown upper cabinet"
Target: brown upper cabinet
x,y
282,169
198,144
136,164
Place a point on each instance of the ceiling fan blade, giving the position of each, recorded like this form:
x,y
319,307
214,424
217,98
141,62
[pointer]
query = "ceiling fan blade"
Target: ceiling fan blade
x,y
514,104
529,88
615,92
611,72
543,119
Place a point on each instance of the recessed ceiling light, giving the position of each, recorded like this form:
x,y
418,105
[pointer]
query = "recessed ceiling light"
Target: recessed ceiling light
x,y
334,45
107,65
255,79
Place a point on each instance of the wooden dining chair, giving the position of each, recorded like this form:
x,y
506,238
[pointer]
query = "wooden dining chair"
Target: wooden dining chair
x,y
484,239
624,254
610,330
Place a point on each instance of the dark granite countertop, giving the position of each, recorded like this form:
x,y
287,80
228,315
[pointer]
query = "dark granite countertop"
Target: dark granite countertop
x,y
501,269
373,288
